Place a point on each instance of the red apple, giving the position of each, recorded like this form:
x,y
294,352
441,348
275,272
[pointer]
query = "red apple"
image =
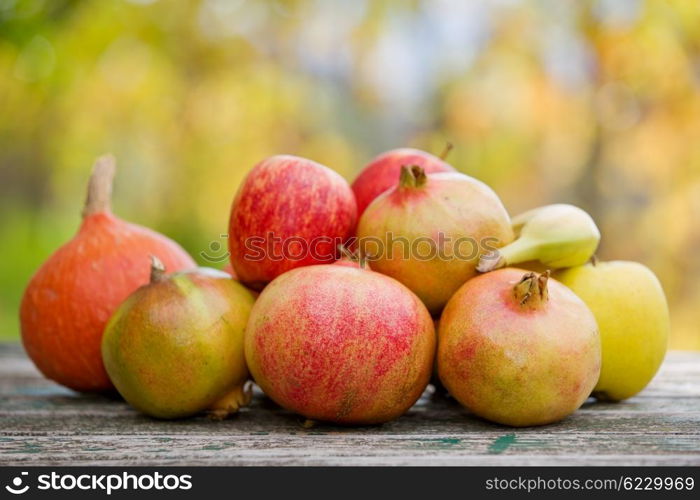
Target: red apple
x,y
289,212
383,173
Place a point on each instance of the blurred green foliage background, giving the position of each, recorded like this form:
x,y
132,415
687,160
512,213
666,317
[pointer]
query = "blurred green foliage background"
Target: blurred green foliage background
x,y
596,103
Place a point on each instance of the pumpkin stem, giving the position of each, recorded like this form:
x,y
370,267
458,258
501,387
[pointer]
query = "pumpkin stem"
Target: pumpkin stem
x,y
99,193
157,269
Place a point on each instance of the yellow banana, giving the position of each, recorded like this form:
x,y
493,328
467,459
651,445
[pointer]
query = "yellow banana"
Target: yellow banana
x,y
557,236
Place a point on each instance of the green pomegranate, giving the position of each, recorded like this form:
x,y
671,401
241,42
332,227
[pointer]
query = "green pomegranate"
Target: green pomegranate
x,y
518,348
429,231
174,348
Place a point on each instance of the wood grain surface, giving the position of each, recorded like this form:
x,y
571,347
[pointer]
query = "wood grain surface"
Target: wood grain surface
x,y
44,424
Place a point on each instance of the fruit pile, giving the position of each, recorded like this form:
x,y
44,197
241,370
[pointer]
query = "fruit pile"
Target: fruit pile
x,y
341,302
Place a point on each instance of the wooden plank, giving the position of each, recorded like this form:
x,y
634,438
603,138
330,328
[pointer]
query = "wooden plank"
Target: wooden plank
x,y
42,423
275,450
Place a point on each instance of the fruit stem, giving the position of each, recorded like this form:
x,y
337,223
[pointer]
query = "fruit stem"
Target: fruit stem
x,y
490,261
363,261
308,424
99,192
594,260
346,253
353,256
446,152
230,402
157,269
412,176
520,250
531,290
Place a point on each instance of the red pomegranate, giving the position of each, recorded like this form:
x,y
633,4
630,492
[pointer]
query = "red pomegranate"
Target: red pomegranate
x,y
340,343
70,298
518,348
289,212
382,172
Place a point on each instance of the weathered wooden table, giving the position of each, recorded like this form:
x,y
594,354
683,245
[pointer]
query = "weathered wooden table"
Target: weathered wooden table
x,y
44,424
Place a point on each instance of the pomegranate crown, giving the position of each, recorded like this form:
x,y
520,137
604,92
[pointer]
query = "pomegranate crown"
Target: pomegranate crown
x,y
532,290
412,176
157,269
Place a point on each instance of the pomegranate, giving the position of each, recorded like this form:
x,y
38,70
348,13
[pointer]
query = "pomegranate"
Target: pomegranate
x,y
381,173
340,343
70,298
429,231
518,349
174,348
289,212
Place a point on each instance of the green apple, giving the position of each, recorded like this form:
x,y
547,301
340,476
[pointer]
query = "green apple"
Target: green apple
x,y
632,314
